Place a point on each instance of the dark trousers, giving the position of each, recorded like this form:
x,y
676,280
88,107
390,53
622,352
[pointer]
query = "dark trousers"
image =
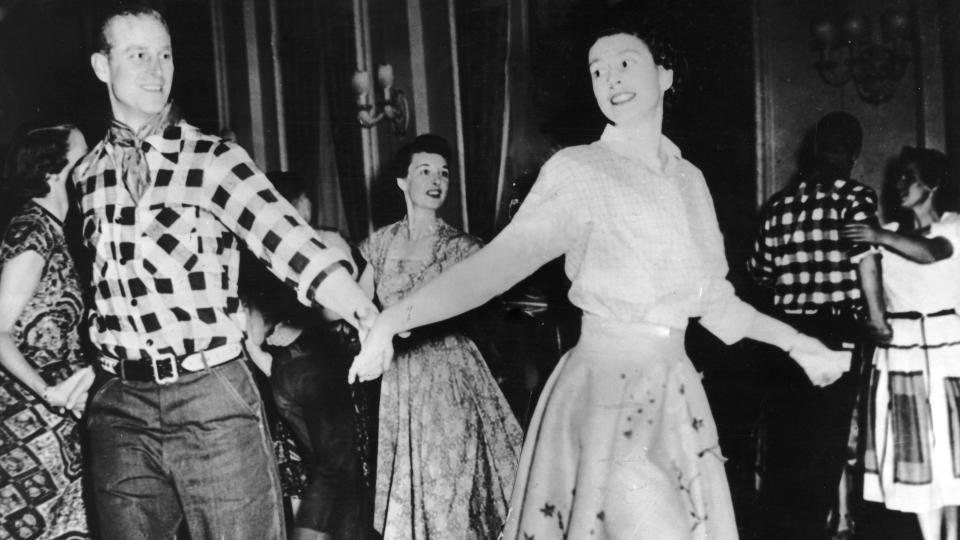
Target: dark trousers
x,y
311,393
807,430
196,451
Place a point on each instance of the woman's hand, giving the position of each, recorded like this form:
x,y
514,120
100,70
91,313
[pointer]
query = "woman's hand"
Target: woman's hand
x,y
879,331
71,394
861,233
376,353
821,364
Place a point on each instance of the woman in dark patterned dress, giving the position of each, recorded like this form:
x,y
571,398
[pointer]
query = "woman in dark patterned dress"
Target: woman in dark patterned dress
x,y
43,380
448,443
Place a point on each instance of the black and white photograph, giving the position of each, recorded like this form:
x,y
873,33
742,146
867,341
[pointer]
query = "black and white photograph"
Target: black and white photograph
x,y
479,269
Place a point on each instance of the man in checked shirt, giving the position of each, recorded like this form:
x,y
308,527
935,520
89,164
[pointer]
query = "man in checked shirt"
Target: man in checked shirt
x,y
829,289
175,422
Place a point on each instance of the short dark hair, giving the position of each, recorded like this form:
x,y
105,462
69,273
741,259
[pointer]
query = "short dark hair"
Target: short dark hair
x,y
428,143
121,8
654,28
927,165
288,183
838,133
33,155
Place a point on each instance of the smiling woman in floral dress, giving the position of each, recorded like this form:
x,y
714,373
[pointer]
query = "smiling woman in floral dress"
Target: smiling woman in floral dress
x,y
448,442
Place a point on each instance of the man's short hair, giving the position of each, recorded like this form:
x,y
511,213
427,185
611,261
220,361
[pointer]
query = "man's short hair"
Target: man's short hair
x,y
121,8
837,133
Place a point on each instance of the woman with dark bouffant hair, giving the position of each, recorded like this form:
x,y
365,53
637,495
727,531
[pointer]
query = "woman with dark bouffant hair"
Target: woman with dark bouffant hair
x,y
623,444
911,446
44,378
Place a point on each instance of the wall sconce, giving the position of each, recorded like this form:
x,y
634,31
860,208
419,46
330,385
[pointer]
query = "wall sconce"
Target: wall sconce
x,y
393,108
848,51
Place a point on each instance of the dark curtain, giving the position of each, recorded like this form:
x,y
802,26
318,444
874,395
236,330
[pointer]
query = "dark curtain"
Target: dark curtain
x,y
482,29
318,59
334,25
307,109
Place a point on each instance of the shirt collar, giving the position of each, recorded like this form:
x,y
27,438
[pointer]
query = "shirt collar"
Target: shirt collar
x,y
619,141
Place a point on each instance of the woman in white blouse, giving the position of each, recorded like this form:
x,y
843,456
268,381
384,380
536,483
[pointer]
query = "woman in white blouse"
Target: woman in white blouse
x,y
623,444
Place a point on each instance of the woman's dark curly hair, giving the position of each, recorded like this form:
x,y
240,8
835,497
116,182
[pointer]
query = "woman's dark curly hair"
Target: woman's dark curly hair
x,y
31,158
428,143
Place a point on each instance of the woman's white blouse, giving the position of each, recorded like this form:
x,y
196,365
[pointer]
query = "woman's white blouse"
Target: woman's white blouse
x,y
640,245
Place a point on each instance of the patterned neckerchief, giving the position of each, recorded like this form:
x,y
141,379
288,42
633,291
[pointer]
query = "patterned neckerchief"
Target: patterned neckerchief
x,y
128,147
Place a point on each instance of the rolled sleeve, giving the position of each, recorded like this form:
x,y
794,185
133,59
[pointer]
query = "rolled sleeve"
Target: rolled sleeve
x,y
245,201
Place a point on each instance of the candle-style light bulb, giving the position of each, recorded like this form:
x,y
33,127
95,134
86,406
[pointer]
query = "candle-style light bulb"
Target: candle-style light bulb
x,y
361,84
385,75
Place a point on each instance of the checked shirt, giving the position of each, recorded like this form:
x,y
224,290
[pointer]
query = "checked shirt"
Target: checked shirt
x,y
799,251
165,267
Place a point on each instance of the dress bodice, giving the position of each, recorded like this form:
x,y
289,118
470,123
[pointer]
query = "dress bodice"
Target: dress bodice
x,y
396,277
46,331
926,288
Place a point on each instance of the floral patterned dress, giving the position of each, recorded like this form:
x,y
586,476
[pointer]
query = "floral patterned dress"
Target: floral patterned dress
x,y
40,460
623,444
448,443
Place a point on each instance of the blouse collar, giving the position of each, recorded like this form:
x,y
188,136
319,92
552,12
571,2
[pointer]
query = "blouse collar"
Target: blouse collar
x,y
619,141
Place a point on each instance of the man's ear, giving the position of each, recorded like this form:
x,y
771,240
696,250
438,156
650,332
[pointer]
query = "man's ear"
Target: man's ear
x,y
101,66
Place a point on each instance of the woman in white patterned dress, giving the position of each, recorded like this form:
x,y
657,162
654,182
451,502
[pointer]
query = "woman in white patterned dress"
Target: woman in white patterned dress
x,y
623,444
912,444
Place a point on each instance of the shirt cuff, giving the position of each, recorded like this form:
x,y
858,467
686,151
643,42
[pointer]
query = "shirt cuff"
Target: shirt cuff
x,y
731,321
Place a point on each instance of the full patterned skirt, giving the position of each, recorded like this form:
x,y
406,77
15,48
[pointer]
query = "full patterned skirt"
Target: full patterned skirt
x,y
912,428
622,445
448,445
40,478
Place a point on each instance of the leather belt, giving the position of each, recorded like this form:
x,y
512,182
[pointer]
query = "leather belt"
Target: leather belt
x,y
916,315
167,369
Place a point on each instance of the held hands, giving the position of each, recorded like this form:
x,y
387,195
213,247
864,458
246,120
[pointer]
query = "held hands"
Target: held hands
x,y
71,394
821,364
861,233
377,351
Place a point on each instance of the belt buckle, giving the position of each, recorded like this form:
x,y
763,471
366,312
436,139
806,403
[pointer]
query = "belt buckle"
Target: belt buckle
x,y
165,370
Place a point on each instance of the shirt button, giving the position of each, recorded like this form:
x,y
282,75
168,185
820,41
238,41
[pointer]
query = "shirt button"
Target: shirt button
x,y
150,342
123,261
133,302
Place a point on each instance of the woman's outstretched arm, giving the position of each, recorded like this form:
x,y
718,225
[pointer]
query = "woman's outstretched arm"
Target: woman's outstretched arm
x,y
916,248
